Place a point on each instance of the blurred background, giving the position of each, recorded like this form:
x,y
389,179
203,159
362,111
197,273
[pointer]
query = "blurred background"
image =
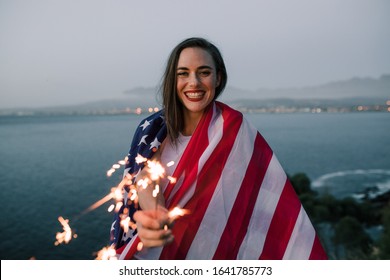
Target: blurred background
x,y
76,78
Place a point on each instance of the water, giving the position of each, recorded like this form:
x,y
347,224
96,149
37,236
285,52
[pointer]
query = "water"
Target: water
x,y
341,153
55,166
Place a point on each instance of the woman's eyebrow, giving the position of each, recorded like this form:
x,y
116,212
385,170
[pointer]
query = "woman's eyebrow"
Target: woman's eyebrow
x,y
200,67
205,67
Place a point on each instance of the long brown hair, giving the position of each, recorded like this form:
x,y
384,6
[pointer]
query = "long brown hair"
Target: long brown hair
x,y
173,109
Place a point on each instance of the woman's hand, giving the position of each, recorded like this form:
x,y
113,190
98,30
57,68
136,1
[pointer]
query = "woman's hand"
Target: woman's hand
x,y
152,227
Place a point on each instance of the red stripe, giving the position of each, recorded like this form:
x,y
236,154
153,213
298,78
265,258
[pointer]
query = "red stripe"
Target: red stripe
x,y
120,249
282,224
317,252
194,150
132,250
238,221
206,184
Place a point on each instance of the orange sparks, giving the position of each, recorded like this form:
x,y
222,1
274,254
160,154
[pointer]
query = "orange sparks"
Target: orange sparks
x,y
107,253
125,224
66,235
99,203
118,206
140,246
177,212
110,172
156,191
156,170
117,193
139,159
133,194
111,207
172,179
116,166
143,183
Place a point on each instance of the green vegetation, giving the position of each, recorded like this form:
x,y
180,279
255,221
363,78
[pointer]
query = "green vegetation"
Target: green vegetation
x,y
343,225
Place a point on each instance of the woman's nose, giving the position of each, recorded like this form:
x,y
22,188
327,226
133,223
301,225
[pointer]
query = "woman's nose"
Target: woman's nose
x,y
193,80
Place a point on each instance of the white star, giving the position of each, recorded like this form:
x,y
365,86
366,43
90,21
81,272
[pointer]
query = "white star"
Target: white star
x,y
143,140
113,226
155,144
145,125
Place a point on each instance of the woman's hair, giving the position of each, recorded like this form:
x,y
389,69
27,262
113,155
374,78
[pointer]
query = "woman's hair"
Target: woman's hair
x,y
173,109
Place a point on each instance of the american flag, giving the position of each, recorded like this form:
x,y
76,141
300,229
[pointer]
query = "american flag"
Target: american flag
x,y
241,202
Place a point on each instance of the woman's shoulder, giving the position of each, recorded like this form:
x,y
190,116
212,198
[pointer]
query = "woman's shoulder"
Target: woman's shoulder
x,y
155,119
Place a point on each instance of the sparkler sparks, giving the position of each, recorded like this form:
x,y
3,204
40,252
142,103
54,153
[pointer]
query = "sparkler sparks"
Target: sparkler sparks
x,y
140,159
156,171
116,166
107,253
140,246
177,212
66,235
112,206
156,190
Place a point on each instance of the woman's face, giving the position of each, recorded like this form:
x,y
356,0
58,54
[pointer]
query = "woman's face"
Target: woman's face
x,y
196,80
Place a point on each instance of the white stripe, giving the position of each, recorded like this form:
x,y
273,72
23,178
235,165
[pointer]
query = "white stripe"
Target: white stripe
x,y
125,172
267,200
149,253
215,133
127,248
144,254
214,221
302,238
176,187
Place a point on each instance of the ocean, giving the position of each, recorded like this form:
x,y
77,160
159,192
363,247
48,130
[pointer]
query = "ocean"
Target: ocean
x,y
55,166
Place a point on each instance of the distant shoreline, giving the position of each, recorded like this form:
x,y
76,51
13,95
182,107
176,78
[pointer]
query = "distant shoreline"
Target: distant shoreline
x,y
243,109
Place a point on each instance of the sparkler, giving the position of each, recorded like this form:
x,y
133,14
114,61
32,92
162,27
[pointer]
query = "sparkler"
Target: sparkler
x,y
107,253
156,171
66,235
176,213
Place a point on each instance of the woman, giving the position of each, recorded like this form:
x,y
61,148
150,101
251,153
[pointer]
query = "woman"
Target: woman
x,y
240,202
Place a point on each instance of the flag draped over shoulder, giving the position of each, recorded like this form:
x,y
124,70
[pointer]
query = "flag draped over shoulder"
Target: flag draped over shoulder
x,y
241,203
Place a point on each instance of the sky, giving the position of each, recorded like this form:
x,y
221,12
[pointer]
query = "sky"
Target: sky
x,y
62,52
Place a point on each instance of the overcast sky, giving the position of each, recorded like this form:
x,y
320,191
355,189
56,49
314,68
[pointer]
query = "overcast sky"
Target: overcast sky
x,y
66,52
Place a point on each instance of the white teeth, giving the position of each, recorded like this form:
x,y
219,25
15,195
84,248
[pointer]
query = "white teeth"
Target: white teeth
x,y
194,94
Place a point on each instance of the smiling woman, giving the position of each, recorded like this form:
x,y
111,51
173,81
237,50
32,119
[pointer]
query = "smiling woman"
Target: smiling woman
x,y
238,201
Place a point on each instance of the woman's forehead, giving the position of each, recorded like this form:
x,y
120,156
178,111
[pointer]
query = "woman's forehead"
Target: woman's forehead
x,y
194,58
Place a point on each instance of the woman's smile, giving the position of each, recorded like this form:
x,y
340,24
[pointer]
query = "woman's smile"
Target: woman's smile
x,y
194,95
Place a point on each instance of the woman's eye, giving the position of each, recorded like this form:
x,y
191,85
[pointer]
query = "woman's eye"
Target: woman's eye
x,y
205,73
182,74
